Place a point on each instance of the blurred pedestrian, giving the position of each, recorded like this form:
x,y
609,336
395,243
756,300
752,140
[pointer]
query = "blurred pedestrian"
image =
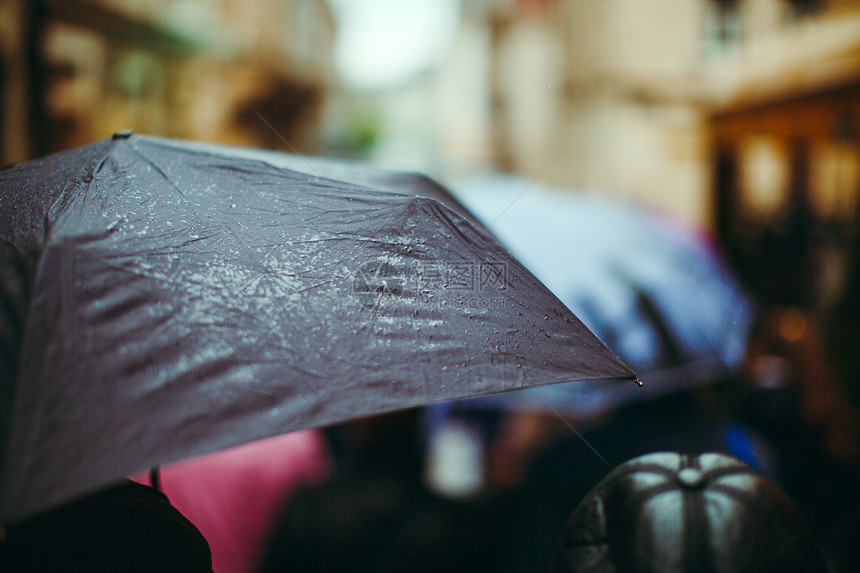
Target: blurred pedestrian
x,y
235,495
376,515
129,527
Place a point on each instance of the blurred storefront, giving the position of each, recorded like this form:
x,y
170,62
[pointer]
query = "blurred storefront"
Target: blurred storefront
x,y
786,154
245,72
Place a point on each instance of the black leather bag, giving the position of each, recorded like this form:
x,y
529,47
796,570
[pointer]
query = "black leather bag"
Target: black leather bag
x,y
670,512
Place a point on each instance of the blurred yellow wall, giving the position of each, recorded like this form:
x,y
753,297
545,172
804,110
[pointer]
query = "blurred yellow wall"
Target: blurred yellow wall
x,y
74,71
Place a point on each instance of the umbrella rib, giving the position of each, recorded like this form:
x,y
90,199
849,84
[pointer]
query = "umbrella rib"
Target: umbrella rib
x,y
166,178
312,287
245,247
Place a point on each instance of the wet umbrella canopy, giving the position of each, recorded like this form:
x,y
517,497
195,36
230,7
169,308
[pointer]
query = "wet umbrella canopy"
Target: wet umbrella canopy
x,y
161,301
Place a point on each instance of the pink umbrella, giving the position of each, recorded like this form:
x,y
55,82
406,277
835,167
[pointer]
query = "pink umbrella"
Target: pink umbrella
x,y
234,496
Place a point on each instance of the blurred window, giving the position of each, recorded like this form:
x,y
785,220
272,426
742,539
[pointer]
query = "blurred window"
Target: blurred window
x,y
796,9
836,178
764,175
3,158
723,24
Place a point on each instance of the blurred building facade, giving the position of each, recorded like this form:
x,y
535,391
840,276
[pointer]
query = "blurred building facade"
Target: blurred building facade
x,y
785,149
616,102
739,115
244,72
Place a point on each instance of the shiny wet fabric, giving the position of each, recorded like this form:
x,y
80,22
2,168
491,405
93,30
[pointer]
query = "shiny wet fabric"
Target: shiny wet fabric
x,y
159,300
678,513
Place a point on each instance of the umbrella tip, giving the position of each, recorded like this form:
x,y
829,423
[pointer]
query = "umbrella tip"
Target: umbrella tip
x,y
122,134
638,381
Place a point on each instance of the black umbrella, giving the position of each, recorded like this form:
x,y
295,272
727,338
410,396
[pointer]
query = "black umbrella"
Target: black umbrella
x,y
160,300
